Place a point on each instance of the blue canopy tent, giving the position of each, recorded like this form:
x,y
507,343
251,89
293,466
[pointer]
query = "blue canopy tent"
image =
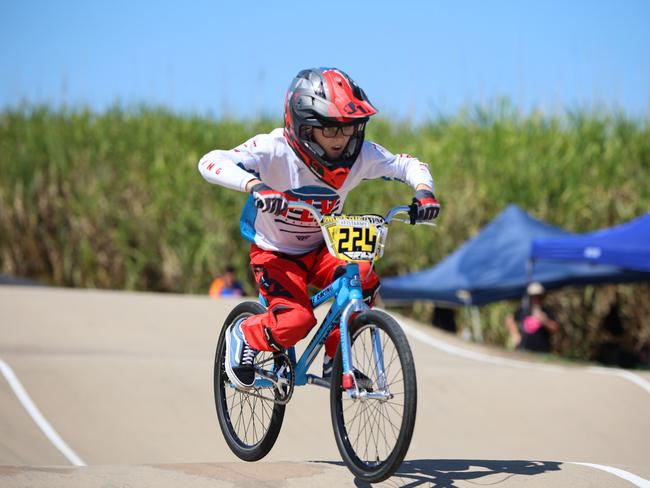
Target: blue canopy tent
x,y
626,246
495,266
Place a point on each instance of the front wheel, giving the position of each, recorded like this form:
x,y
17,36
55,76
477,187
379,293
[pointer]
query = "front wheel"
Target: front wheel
x,y
374,430
250,424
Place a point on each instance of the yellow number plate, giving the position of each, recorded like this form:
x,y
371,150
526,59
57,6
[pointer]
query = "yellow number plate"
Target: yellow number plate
x,y
354,237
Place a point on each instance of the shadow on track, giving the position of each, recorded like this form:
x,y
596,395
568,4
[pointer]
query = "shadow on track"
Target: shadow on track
x,y
444,473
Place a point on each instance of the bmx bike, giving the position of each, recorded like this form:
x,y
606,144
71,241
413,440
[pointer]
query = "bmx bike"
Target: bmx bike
x,y
372,413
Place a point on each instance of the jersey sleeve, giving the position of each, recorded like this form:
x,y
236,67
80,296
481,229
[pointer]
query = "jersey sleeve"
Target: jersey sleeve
x,y
236,167
381,163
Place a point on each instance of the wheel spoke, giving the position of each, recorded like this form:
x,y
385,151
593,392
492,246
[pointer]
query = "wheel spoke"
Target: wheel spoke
x,y
386,417
370,422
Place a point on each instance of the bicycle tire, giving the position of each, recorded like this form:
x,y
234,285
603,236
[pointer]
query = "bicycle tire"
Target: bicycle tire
x,y
360,426
250,425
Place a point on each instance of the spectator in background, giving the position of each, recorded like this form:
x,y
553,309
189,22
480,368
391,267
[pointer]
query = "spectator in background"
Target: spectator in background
x,y
533,323
226,285
445,319
619,347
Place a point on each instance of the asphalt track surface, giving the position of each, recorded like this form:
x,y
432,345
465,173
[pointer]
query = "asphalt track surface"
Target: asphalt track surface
x,y
113,389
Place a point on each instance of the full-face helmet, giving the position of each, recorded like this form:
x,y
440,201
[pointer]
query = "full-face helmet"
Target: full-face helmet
x,y
325,97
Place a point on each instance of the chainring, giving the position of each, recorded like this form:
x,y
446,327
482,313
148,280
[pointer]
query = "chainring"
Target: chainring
x,y
281,374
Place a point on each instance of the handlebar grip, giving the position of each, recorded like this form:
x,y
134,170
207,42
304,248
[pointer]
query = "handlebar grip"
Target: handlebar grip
x,y
413,211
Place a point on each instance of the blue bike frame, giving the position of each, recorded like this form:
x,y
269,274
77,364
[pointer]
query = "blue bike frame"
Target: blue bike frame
x,y
348,299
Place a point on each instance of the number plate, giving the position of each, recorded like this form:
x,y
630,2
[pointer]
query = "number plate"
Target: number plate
x,y
354,237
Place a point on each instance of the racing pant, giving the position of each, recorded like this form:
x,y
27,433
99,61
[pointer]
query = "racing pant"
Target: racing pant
x,y
282,280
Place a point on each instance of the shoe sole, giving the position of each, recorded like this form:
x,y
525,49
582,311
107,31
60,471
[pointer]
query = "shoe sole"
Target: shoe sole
x,y
229,371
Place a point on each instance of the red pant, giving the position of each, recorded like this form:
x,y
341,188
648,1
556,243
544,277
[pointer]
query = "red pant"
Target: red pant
x,y
283,280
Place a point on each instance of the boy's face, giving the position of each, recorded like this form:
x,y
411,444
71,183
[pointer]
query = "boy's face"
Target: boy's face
x,y
333,146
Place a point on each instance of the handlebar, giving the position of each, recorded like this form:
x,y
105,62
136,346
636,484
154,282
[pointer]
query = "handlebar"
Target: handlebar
x,y
390,216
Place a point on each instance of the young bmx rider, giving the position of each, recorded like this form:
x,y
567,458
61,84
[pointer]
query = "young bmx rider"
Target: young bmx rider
x,y
318,157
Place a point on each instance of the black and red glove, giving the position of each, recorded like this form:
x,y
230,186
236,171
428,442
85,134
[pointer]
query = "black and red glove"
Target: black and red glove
x,y
269,200
425,206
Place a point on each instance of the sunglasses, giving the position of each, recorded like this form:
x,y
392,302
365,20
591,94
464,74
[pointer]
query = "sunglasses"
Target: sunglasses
x,y
333,130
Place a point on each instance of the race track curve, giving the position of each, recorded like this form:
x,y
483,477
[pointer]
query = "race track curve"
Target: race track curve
x,y
124,382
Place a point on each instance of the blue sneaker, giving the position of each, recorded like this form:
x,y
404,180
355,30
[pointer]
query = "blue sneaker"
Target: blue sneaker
x,y
240,357
328,362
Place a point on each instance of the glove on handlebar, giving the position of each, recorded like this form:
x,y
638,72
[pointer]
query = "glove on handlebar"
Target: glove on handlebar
x,y
269,200
424,207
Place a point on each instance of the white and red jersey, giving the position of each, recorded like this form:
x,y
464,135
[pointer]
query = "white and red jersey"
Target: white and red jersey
x,y
270,158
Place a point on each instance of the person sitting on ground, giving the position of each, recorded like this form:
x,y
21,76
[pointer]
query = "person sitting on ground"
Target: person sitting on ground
x,y
533,323
226,285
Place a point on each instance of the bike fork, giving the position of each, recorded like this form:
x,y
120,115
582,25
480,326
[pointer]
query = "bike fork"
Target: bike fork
x,y
355,305
379,358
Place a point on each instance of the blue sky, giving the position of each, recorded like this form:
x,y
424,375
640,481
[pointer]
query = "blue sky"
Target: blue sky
x,y
414,59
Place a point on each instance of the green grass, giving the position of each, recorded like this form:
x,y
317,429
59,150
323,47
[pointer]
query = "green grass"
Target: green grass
x,y
114,200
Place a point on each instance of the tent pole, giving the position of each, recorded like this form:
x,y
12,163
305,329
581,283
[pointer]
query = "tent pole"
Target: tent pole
x,y
530,265
475,317
477,328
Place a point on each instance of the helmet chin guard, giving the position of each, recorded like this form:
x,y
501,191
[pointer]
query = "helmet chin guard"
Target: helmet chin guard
x,y
319,98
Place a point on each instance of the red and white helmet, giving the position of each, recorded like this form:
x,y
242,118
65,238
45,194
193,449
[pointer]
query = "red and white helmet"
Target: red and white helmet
x,y
323,97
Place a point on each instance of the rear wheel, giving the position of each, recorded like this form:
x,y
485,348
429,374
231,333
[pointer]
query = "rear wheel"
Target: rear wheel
x,y
250,424
373,432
